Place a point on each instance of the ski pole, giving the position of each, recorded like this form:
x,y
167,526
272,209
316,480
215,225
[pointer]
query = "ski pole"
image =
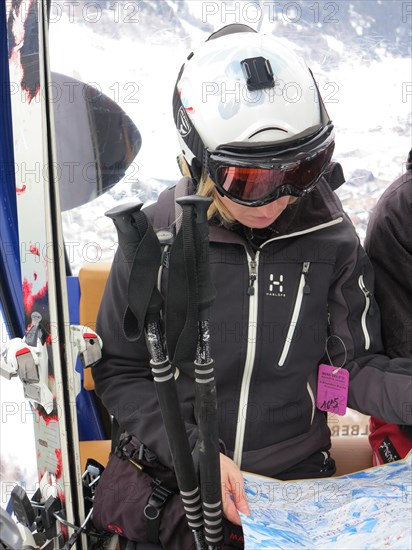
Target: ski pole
x,y
132,226
195,209
163,377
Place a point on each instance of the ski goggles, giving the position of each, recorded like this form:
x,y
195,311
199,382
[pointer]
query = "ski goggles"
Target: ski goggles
x,y
259,175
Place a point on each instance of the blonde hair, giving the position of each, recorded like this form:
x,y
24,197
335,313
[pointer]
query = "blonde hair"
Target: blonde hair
x,y
206,188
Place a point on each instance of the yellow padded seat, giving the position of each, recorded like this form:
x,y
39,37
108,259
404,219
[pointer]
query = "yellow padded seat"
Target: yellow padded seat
x,y
99,450
92,280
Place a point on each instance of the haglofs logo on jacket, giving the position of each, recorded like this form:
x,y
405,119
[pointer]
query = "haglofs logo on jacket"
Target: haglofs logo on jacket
x,y
276,286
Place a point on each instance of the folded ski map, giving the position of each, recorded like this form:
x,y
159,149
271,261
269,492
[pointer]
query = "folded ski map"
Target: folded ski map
x,y
368,509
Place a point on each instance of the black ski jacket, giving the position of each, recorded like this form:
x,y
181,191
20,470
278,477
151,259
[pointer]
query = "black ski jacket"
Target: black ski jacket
x,y
312,283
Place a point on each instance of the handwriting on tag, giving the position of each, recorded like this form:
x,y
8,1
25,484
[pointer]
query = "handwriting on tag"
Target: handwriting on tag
x,y
333,386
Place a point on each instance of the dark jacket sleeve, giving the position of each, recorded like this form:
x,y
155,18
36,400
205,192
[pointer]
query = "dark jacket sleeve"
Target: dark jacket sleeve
x,y
389,247
123,378
378,386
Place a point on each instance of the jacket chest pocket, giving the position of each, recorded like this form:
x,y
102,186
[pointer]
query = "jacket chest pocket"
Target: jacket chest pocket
x,y
296,303
303,290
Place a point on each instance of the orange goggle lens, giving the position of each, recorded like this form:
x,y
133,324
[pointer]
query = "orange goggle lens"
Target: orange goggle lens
x,y
258,186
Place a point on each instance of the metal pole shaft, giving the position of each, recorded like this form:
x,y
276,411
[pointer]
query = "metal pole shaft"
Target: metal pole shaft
x,y
209,460
163,377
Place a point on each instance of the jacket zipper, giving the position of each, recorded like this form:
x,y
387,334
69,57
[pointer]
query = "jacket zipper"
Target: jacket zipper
x,y
368,297
250,358
252,277
312,398
303,289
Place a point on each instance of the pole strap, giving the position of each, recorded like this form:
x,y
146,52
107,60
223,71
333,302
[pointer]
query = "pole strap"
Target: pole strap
x,y
181,310
144,299
139,247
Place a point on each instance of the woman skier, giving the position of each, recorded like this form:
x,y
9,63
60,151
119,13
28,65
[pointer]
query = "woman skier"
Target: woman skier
x,y
295,330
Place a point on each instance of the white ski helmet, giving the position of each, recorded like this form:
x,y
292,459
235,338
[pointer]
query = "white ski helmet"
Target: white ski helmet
x,y
245,99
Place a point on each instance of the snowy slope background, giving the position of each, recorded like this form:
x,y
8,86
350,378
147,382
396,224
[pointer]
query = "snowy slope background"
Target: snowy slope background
x,y
359,52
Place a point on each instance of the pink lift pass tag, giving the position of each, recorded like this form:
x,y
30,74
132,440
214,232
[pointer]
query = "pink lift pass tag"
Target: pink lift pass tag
x,y
333,385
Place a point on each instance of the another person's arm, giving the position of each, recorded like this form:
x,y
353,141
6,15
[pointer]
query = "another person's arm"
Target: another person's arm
x,y
379,386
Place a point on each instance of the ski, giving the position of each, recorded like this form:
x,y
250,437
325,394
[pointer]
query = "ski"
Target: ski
x,y
44,358
45,149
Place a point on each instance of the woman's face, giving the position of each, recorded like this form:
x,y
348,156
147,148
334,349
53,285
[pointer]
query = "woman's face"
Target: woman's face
x,y
256,217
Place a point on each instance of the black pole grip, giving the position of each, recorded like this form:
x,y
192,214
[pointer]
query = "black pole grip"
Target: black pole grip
x,y
122,215
200,205
130,227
